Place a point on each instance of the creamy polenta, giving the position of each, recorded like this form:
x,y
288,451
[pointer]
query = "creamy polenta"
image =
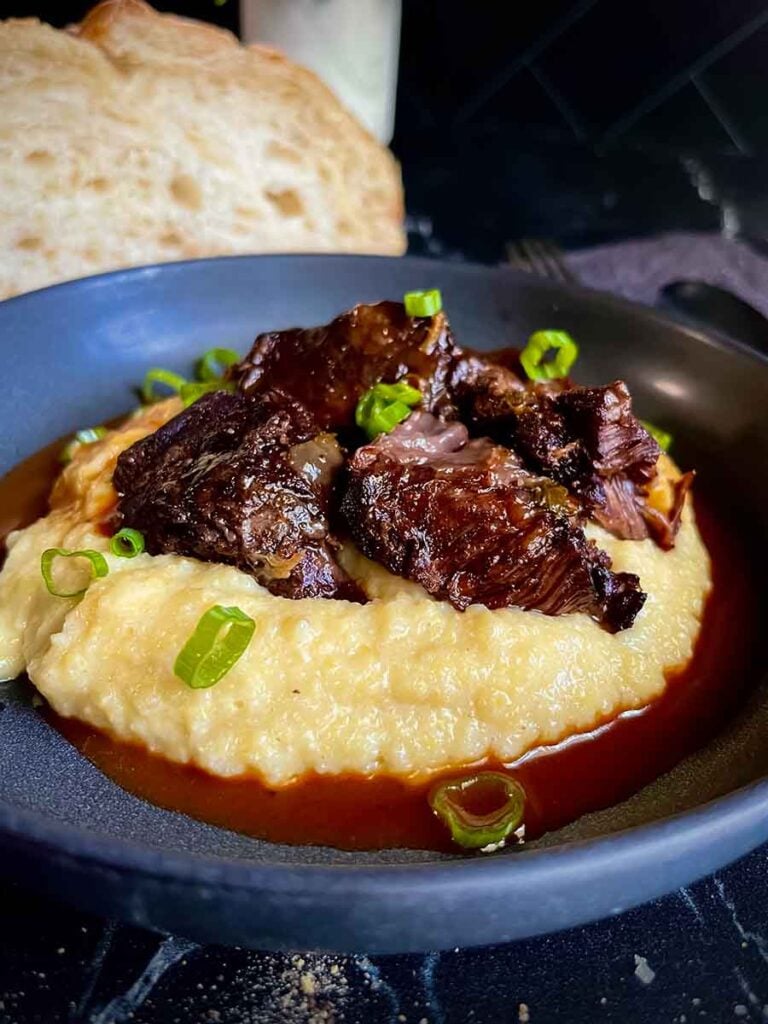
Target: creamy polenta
x,y
404,684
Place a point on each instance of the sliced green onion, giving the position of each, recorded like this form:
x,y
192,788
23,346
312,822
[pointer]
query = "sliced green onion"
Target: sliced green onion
x,y
155,376
215,362
127,543
216,644
87,436
383,406
542,345
451,801
662,437
384,418
97,561
423,303
90,434
401,391
192,390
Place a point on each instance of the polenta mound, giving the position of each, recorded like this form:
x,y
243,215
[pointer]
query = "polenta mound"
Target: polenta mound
x,y
404,684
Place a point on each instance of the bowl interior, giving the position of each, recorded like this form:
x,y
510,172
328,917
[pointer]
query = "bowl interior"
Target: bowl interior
x,y
73,352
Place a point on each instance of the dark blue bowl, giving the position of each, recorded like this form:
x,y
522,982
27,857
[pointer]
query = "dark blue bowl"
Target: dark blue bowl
x,y
70,354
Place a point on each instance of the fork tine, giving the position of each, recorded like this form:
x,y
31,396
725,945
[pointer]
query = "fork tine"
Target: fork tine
x,y
539,265
517,259
541,257
551,257
556,256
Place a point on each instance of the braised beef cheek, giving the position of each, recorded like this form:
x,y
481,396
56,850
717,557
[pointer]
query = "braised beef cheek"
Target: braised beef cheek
x,y
329,368
586,438
244,480
468,522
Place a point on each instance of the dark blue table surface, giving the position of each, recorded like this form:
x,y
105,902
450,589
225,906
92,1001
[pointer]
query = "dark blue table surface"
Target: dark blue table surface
x,y
699,955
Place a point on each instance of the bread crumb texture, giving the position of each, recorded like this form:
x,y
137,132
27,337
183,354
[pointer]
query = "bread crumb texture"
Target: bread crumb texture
x,y
138,137
404,684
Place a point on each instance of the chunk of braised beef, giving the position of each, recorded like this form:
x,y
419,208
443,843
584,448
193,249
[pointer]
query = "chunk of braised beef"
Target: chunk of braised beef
x,y
615,463
244,480
586,438
525,417
482,389
659,520
465,520
329,368
602,420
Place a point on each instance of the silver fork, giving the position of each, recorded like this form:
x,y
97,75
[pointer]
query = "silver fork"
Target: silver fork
x,y
542,257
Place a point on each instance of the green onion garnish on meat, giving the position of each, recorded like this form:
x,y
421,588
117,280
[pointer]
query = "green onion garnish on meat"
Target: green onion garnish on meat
x,y
127,543
97,564
383,406
218,641
215,363
423,303
192,390
662,437
549,355
479,810
156,376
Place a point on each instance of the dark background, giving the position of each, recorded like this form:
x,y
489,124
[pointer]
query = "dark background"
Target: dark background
x,y
585,120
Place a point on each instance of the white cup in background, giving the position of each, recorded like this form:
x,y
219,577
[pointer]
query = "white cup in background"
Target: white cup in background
x,y
353,45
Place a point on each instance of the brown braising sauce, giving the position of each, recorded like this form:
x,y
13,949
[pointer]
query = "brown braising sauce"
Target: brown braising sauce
x,y
584,773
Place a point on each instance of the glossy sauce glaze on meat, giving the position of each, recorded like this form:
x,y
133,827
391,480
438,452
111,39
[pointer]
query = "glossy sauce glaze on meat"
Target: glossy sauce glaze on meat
x,y
328,368
465,520
481,496
244,480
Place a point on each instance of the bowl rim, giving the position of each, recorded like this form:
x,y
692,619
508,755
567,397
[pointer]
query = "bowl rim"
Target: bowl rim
x,y
734,812
588,858
710,338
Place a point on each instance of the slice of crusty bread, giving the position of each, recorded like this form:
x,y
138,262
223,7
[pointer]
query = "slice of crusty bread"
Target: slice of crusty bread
x,y
139,137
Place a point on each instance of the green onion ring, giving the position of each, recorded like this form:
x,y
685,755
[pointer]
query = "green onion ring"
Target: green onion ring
x,y
423,303
192,390
540,344
157,375
217,642
214,363
90,434
662,437
383,406
98,564
86,436
476,831
127,543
